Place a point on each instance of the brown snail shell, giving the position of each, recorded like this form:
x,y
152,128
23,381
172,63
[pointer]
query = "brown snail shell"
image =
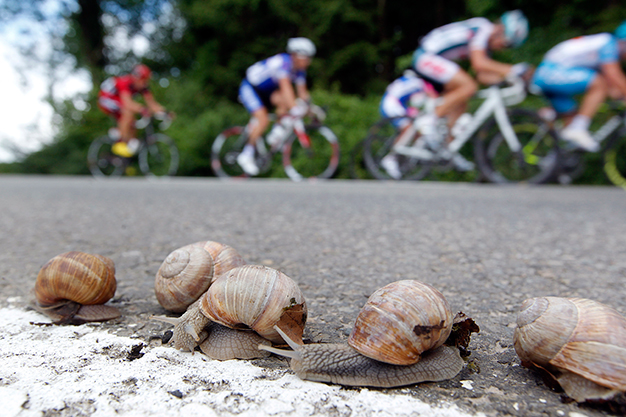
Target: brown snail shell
x,y
188,272
74,279
580,342
251,300
427,325
254,297
415,317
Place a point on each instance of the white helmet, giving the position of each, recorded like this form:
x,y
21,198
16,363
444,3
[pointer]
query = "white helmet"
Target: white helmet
x,y
515,27
301,46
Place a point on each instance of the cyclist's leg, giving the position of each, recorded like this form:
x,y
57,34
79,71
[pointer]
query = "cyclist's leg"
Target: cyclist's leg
x,y
456,94
259,121
392,109
455,85
110,107
257,106
561,84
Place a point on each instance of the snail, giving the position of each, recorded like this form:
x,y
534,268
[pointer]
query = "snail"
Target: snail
x,y
73,286
397,340
187,272
240,309
580,343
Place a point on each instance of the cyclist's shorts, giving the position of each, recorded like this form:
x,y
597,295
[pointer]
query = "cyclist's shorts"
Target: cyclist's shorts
x,y
111,106
560,84
390,107
435,69
251,98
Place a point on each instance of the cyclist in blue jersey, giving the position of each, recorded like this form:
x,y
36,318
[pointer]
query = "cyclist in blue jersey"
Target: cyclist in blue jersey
x,y
473,40
269,83
588,65
400,102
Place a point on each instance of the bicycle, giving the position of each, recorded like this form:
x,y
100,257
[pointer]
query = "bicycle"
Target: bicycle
x,y
157,154
309,150
510,145
610,135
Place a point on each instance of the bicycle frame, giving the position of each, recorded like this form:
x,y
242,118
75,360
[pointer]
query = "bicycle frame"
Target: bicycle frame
x,y
496,100
295,127
610,127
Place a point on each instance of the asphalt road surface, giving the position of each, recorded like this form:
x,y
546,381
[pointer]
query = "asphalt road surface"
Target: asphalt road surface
x,y
486,248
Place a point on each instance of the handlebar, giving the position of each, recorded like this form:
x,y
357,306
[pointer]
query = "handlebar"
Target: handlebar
x,y
164,118
512,90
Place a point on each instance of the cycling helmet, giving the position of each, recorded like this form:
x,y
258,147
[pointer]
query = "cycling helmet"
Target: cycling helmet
x,y
142,72
301,46
515,27
620,32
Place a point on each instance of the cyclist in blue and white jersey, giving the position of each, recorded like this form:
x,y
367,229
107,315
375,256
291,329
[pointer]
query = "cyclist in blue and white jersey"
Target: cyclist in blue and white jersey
x,y
270,83
588,65
472,39
400,102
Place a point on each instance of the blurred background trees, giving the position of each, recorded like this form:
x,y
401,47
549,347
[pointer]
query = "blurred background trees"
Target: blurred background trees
x,y
200,49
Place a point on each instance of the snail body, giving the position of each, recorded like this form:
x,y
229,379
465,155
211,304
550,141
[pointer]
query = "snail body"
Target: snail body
x,y
374,355
251,300
342,364
73,286
187,272
580,342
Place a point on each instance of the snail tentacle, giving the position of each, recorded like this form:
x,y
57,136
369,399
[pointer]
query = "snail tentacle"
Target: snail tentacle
x,y
296,353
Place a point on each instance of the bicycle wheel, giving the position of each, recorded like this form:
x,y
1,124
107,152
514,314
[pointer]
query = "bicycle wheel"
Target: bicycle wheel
x,y
358,170
378,144
535,163
159,156
615,161
226,147
316,158
102,161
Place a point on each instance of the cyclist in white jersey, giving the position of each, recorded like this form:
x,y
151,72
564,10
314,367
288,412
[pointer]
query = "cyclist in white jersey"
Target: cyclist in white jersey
x,y
270,83
588,65
472,39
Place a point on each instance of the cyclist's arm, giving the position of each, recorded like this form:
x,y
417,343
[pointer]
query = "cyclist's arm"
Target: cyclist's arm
x,y
128,102
615,76
152,103
489,71
286,89
303,92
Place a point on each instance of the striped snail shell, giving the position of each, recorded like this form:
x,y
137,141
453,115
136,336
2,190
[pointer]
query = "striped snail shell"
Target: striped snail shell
x,y
187,273
581,343
397,340
72,286
249,299
401,321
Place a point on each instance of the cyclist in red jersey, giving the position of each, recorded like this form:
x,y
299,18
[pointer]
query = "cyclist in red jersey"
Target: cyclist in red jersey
x,y
116,99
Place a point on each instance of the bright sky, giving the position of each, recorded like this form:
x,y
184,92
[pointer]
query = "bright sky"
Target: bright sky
x,y
25,118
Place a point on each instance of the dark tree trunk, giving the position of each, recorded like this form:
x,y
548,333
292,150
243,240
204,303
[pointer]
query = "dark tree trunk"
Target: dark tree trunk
x,y
90,24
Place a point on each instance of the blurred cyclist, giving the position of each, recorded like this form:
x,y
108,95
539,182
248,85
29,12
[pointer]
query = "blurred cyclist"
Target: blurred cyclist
x,y
588,65
399,103
471,39
269,83
116,99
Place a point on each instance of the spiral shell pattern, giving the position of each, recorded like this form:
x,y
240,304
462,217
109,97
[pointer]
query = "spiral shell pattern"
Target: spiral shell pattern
x,y
574,335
